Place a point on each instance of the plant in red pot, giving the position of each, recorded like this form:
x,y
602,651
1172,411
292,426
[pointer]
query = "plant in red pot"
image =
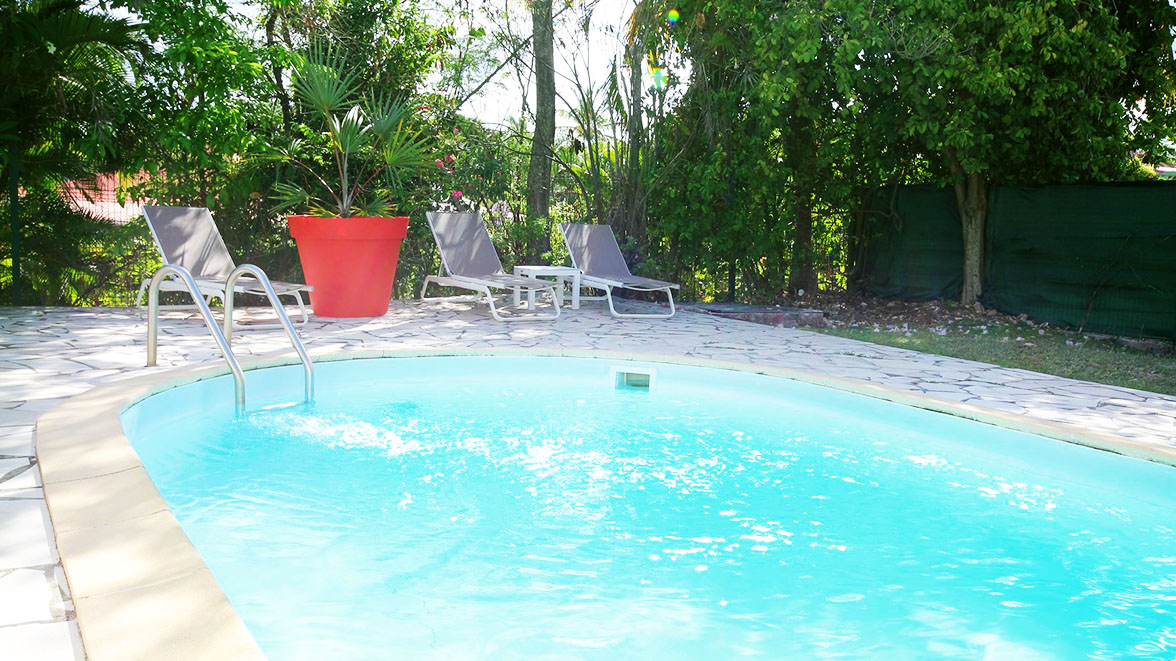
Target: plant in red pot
x,y
349,241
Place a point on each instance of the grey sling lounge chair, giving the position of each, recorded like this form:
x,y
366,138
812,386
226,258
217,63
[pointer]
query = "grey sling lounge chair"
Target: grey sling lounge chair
x,y
469,261
596,254
188,237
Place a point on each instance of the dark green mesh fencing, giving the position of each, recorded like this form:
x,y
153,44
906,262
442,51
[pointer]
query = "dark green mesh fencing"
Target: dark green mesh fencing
x,y
913,245
1098,257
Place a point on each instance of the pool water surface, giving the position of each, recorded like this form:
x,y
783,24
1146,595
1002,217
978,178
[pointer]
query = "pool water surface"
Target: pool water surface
x,y
507,507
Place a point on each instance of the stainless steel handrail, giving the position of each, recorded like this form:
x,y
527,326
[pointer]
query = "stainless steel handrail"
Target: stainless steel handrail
x,y
261,277
202,306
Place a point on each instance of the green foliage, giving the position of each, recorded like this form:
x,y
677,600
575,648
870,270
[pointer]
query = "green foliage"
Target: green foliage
x,y
71,259
478,169
372,143
68,74
765,160
209,111
206,99
65,105
388,44
744,171
1032,91
803,106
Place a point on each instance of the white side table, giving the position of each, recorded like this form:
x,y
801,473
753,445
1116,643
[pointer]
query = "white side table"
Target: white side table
x,y
565,275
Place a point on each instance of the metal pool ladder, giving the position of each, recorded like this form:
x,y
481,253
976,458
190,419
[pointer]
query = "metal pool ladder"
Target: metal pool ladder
x,y
223,339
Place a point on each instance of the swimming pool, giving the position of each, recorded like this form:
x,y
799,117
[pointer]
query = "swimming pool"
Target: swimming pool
x,y
521,507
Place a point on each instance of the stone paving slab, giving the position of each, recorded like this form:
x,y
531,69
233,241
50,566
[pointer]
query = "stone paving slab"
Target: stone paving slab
x,y
768,315
47,640
25,595
47,355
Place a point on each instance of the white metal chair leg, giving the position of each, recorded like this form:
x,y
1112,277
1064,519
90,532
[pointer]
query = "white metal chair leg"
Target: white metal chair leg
x,y
297,296
142,293
558,290
425,288
632,315
303,312
529,317
302,308
439,280
484,291
208,296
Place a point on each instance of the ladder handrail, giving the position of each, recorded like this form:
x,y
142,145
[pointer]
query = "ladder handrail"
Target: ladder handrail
x,y
202,306
261,277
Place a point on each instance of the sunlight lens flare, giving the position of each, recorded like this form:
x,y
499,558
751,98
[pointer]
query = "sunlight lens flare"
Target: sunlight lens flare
x,y
659,78
672,17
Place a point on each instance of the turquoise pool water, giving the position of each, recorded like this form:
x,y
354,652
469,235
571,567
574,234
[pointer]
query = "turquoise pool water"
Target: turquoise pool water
x,y
523,508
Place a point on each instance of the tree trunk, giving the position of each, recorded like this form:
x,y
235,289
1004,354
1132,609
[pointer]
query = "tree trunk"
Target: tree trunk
x,y
973,214
276,68
731,266
728,210
543,139
802,272
971,191
634,217
592,138
14,209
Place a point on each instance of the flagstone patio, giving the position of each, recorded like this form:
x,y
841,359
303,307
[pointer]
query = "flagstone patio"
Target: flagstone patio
x,y
48,355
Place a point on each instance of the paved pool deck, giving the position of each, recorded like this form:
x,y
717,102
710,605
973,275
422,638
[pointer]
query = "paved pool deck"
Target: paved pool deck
x,y
49,355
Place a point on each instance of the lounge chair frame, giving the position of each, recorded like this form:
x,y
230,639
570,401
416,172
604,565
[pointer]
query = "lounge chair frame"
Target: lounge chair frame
x,y
483,285
607,285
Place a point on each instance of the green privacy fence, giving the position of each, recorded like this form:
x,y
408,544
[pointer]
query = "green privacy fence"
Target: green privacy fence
x,y
912,245
1097,256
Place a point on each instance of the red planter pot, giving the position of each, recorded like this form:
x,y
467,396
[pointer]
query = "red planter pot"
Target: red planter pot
x,y
350,262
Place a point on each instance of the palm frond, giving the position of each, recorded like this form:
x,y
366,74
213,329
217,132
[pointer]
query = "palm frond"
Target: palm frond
x,y
319,208
372,140
290,196
387,116
287,152
376,204
323,82
404,152
68,89
352,132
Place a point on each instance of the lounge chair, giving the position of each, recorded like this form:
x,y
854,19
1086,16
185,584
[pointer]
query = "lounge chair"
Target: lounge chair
x,y
469,261
188,237
596,254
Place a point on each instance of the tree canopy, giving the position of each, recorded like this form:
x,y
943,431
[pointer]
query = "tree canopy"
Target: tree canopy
x,y
735,145
1025,92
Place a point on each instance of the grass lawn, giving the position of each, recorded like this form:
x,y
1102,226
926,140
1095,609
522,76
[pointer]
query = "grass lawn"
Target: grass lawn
x,y
1013,343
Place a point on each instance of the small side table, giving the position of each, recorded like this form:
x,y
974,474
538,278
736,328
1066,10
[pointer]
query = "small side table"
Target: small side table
x,y
565,275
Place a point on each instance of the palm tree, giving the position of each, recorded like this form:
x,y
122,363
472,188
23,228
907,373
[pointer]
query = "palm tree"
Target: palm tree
x,y
67,97
371,141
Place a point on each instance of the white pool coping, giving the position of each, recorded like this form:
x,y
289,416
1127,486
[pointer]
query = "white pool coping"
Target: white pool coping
x,y
142,591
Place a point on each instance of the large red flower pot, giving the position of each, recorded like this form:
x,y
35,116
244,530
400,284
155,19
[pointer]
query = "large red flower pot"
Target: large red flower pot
x,y
350,262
